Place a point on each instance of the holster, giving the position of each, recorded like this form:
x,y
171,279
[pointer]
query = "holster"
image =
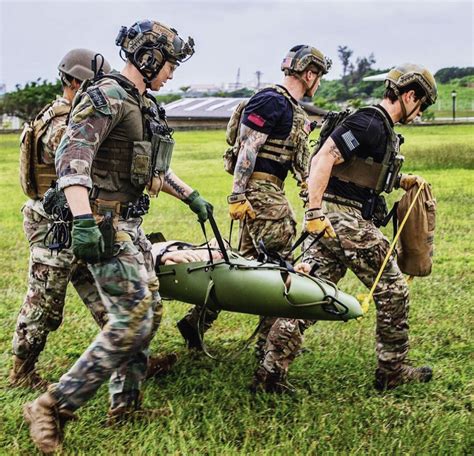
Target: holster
x,y
106,214
375,209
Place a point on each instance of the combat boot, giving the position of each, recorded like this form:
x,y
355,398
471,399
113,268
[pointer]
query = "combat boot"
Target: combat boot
x,y
406,374
23,374
190,335
160,365
46,421
264,381
132,411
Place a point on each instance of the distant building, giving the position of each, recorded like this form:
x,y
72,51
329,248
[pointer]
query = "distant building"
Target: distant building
x,y
10,123
214,112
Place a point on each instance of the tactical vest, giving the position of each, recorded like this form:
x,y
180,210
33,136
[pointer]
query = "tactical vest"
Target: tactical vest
x,y
365,172
136,153
35,175
292,151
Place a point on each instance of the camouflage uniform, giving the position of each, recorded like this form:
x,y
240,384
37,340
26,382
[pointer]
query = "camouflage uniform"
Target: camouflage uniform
x,y
361,247
49,274
274,225
127,282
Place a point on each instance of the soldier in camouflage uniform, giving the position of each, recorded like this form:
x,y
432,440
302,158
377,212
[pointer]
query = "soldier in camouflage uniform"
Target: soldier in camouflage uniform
x,y
273,139
346,211
117,143
49,273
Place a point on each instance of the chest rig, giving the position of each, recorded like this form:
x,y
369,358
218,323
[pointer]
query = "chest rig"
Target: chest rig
x,y
137,152
291,151
368,174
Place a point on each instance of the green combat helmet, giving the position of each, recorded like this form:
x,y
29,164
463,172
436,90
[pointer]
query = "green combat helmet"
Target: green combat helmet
x,y
407,74
149,44
79,64
301,58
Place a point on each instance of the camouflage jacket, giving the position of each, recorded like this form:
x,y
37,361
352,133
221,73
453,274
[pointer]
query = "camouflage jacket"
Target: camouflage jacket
x,y
96,112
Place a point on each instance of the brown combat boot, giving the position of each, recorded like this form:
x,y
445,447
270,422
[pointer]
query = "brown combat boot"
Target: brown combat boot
x,y
160,365
406,374
46,422
23,374
264,381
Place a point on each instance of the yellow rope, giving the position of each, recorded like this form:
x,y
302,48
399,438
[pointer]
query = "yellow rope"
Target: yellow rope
x,y
367,298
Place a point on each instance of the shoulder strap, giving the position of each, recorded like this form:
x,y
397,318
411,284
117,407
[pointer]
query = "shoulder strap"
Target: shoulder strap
x,y
43,119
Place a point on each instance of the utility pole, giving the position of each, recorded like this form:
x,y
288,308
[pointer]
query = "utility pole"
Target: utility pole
x,y
237,79
259,74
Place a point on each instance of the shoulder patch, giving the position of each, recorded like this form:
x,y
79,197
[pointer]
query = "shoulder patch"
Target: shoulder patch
x,y
97,97
350,140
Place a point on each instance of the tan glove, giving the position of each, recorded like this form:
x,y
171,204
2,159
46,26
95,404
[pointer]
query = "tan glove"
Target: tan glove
x,y
316,222
240,207
407,181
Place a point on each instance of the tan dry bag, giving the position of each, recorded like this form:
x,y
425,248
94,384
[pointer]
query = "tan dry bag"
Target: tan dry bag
x,y
416,242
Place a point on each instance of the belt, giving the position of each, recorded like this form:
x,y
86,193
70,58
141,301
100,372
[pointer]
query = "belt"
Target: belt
x,y
124,210
330,198
258,176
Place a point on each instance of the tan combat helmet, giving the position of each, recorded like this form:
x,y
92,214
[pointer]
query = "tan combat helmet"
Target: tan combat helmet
x,y
299,58
79,64
149,44
409,73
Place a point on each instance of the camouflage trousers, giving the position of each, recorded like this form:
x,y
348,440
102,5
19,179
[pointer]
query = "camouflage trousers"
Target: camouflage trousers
x,y
360,247
48,278
128,288
275,227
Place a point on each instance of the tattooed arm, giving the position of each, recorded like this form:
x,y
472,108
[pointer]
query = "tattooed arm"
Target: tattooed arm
x,y
174,186
250,143
320,171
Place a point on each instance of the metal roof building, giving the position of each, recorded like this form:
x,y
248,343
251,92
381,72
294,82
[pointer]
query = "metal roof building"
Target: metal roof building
x,y
214,112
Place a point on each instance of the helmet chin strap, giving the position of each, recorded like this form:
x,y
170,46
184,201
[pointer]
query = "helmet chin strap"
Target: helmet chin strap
x,y
405,116
308,88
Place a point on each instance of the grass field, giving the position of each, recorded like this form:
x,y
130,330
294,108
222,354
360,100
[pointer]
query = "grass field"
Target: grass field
x,y
207,407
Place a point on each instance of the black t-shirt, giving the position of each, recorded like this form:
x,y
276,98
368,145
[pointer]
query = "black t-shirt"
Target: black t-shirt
x,y
271,113
362,134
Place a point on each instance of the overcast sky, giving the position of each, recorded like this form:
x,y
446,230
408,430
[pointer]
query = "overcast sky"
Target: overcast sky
x,y
230,35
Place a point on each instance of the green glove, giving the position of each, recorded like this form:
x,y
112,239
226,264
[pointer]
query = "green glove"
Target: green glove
x,y
199,205
87,241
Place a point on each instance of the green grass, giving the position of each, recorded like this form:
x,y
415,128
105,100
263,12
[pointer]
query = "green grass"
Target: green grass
x,y
208,407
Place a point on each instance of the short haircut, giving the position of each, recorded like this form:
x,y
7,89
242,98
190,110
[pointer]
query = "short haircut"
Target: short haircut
x,y
392,96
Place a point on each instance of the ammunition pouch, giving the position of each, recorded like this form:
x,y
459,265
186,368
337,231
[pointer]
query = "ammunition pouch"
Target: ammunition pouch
x,y
230,158
141,163
391,180
162,150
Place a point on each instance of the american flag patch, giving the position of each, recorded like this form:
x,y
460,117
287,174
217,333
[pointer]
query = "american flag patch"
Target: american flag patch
x,y
350,140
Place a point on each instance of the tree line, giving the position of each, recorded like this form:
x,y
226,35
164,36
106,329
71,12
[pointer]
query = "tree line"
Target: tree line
x,y
26,101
